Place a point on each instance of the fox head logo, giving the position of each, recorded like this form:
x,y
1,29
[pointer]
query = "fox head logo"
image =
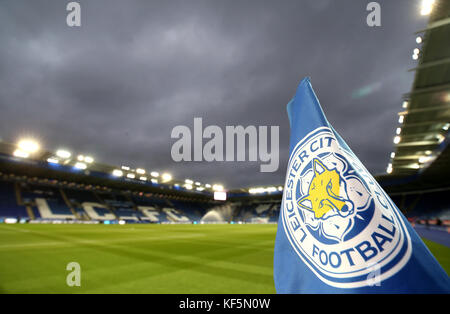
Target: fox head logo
x,y
326,194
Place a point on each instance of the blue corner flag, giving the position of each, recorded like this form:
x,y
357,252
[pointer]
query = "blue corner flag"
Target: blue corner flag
x,y
338,231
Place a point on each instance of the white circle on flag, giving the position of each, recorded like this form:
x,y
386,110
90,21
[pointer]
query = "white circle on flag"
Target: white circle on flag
x,y
339,221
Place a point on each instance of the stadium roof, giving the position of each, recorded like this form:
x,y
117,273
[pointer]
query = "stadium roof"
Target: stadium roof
x,y
421,140
26,158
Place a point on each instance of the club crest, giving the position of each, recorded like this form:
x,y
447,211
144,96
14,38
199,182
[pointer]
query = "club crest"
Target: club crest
x,y
337,218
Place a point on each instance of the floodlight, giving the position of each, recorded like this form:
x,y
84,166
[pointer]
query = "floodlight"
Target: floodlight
x,y
424,159
389,168
20,153
271,189
80,165
53,160
117,173
166,177
427,7
62,153
28,146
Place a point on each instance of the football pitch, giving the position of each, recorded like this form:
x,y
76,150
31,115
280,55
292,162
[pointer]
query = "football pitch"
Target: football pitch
x,y
143,258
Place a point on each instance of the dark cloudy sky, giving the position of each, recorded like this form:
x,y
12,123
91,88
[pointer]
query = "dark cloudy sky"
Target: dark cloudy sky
x,y
115,87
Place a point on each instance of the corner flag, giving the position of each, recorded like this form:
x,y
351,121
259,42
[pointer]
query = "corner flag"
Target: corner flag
x,y
338,231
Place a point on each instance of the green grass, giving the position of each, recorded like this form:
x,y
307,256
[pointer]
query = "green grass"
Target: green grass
x,y
441,252
138,258
143,258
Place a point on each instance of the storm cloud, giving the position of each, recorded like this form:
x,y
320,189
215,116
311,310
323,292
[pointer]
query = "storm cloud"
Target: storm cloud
x,y
116,86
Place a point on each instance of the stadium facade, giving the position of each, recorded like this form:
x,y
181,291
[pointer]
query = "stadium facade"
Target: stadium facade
x,y
43,186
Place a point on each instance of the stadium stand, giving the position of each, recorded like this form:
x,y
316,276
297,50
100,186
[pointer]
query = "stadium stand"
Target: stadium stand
x,y
48,201
9,207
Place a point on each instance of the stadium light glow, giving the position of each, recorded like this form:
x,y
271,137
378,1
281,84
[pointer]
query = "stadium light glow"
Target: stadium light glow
x,y
424,159
188,181
428,152
53,160
415,166
125,168
166,177
208,186
200,188
21,154
389,168
140,171
398,131
426,7
62,153
397,139
131,176
280,188
28,146
154,174
416,51
198,183
418,39
256,190
271,189
446,127
154,181
143,178
117,173
188,186
415,57
80,165
405,104
401,119
218,187
89,159
80,158
392,155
